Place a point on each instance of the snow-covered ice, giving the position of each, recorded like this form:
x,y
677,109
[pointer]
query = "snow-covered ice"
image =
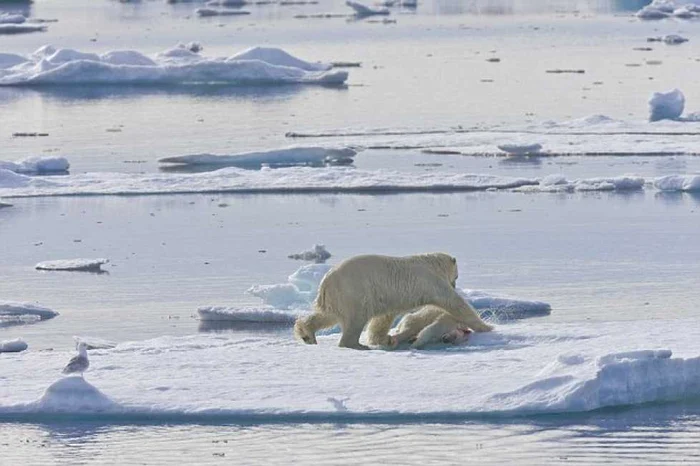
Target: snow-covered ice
x,y
286,180
178,65
666,105
73,265
318,254
685,183
16,345
208,12
364,10
37,165
287,156
232,314
521,149
673,39
559,183
561,368
17,313
12,18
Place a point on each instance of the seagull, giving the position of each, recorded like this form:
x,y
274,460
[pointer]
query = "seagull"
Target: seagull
x,y
78,363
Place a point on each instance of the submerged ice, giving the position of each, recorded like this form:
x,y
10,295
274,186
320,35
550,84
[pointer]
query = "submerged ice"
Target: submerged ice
x,y
179,65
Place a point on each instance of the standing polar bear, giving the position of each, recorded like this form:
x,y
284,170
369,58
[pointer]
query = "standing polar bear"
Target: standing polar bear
x,y
376,289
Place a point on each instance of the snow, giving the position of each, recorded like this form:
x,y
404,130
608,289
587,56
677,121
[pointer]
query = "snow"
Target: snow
x,y
37,165
285,180
519,369
178,65
17,313
230,314
318,254
207,12
666,105
76,265
13,346
686,183
364,10
521,149
287,156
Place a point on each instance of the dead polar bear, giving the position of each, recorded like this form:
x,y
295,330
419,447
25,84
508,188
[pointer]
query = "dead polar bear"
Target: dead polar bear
x,y
377,289
430,324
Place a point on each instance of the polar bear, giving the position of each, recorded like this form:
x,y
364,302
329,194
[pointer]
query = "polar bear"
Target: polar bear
x,y
376,289
430,324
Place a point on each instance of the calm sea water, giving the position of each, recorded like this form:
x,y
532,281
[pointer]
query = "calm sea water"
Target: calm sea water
x,y
596,256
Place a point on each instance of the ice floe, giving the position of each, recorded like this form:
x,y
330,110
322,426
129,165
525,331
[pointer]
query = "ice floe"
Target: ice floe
x,y
11,23
13,346
178,65
674,39
666,105
684,183
558,183
521,149
561,368
287,156
237,180
37,165
73,265
232,314
18,313
362,10
318,254
209,12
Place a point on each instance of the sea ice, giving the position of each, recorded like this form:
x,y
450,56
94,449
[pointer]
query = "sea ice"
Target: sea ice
x,y
666,105
288,156
558,183
228,3
364,10
558,367
686,183
13,346
521,149
37,165
651,12
318,254
13,310
12,18
208,12
674,39
75,265
178,65
230,314
20,28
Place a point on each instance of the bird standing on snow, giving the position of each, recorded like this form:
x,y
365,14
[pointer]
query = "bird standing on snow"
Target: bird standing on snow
x,y
78,363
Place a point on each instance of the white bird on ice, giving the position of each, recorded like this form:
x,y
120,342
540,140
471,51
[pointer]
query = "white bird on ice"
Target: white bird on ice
x,y
79,362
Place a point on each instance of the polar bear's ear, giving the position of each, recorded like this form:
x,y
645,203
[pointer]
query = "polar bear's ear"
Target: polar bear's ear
x,y
454,260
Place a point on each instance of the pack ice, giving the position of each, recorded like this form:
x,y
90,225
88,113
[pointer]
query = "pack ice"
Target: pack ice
x,y
178,65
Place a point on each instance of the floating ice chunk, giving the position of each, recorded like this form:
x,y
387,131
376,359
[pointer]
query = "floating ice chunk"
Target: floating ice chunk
x,y
126,57
20,28
674,39
364,10
74,265
179,65
521,149
279,57
308,277
19,309
228,3
651,13
13,346
684,13
409,3
282,296
229,314
73,395
208,12
318,254
11,18
37,165
557,183
289,156
4,204
666,105
686,183
284,180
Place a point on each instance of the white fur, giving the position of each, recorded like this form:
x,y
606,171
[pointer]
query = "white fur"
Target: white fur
x,y
376,289
428,325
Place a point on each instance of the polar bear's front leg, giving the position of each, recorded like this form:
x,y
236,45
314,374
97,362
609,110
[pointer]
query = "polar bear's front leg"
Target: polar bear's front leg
x,y
450,301
378,330
351,335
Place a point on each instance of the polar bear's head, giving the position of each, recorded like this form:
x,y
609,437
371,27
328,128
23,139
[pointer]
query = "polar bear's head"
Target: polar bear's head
x,y
443,265
302,332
